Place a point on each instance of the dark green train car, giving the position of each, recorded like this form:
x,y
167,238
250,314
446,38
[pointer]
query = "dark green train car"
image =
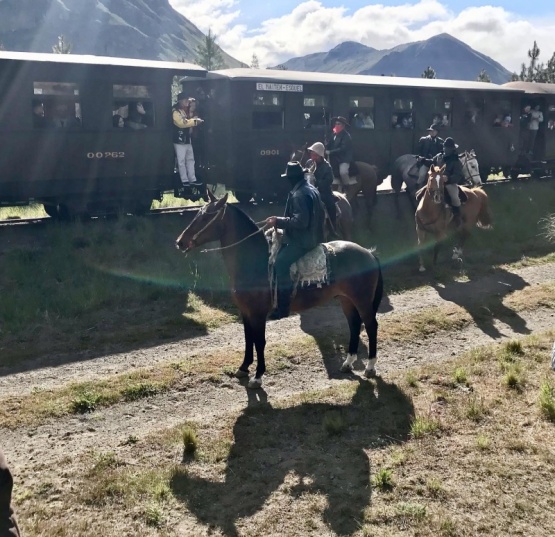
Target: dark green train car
x,y
256,118
62,141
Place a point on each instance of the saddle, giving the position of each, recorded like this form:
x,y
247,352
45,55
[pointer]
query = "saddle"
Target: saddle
x,y
313,269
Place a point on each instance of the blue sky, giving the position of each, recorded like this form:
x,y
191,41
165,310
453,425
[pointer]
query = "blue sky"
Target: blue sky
x,y
277,30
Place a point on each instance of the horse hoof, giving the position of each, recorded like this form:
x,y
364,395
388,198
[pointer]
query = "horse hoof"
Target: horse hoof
x,y
370,373
346,368
240,374
254,383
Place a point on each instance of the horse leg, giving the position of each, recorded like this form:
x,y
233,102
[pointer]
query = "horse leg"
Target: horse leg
x,y
462,235
248,359
421,235
368,316
259,339
355,323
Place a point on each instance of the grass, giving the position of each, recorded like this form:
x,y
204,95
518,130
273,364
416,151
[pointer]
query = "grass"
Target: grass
x,y
547,400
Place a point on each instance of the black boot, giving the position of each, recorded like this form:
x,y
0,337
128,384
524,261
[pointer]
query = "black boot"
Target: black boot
x,y
282,310
457,220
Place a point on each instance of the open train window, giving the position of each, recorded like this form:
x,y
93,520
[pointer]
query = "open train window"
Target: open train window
x,y
442,113
551,117
473,112
502,114
56,105
268,110
361,112
132,107
402,117
315,111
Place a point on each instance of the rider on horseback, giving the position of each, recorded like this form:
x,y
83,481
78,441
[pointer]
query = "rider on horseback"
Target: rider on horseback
x,y
340,150
323,174
428,147
303,225
453,172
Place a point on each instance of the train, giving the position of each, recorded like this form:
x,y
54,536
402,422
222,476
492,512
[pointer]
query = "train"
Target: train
x,y
254,119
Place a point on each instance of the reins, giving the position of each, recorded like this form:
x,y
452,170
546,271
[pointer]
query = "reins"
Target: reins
x,y
263,228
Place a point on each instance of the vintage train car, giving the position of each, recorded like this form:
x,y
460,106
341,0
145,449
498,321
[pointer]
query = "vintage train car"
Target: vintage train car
x,y
63,142
535,155
256,118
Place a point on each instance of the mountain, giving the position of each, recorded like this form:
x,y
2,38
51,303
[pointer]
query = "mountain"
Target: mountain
x,y
449,57
145,29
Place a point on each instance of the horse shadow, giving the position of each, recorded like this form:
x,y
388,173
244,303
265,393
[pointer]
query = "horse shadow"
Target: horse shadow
x,y
484,312
295,449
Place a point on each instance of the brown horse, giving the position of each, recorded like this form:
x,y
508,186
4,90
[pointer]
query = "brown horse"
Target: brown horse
x,y
357,281
434,217
366,178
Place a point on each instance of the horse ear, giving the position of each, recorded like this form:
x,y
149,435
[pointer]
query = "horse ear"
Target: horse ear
x,y
221,202
210,196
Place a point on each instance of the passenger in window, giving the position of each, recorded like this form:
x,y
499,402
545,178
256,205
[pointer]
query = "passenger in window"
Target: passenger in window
x,y
445,121
117,121
428,147
507,122
323,175
406,122
136,118
551,124
363,121
497,121
39,120
183,123
340,150
395,121
63,117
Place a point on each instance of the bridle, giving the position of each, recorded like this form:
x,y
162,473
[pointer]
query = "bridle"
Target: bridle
x,y
466,158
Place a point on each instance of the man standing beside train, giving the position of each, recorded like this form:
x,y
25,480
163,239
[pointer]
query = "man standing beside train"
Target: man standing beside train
x,y
323,174
340,151
428,147
303,225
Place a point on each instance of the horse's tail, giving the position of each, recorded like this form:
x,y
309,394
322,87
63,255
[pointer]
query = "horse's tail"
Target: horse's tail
x,y
485,218
378,295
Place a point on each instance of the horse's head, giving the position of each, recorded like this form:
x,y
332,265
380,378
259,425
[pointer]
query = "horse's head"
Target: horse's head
x,y
470,167
206,225
436,183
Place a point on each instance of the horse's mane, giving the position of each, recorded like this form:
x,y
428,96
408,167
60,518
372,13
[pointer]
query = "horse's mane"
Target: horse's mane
x,y
242,215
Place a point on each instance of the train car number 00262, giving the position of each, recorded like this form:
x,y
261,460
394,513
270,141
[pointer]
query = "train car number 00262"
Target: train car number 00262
x,y
105,154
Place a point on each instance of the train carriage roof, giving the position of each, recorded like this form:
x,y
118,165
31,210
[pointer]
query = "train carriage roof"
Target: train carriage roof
x,y
80,59
532,87
286,76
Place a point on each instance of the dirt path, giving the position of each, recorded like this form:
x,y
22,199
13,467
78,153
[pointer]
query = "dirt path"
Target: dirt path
x,y
49,443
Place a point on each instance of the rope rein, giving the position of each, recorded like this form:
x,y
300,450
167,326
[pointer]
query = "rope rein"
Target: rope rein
x,y
263,228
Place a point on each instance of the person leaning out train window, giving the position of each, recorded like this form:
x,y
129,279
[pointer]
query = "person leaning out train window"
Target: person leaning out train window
x,y
184,120
117,121
136,118
63,117
39,119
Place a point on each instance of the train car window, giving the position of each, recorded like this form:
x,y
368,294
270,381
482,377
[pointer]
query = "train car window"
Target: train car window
x,y
132,107
361,112
268,110
551,117
315,111
502,116
442,112
56,105
402,117
473,112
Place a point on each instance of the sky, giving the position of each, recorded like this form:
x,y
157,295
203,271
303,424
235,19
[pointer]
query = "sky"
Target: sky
x,y
278,30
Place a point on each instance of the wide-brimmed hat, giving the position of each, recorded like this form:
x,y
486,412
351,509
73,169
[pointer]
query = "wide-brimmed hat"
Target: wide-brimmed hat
x,y
435,127
294,170
340,119
450,143
318,148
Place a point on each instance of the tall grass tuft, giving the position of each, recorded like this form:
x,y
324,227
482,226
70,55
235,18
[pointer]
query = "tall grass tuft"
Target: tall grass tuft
x,y
190,442
547,400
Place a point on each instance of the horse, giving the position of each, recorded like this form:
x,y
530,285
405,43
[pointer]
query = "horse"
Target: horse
x,y
405,170
357,281
365,179
434,217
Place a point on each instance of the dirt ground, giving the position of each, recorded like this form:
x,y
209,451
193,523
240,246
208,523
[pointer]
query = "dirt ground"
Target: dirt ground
x,y
58,442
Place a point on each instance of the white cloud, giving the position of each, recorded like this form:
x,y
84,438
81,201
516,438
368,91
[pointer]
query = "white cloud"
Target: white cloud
x,y
311,27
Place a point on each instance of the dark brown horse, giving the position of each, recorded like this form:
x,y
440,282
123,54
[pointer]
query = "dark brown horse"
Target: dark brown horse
x,y
357,281
433,217
366,178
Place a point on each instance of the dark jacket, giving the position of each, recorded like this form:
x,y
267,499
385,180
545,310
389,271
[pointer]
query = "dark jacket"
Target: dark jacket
x,y
453,167
428,147
8,525
303,220
340,147
324,178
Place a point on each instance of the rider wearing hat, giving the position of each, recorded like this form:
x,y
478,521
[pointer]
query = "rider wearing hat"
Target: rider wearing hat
x,y
428,147
303,225
340,149
453,172
324,178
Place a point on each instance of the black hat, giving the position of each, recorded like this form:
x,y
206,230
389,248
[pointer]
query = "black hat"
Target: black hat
x,y
450,143
294,170
340,119
183,97
435,127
